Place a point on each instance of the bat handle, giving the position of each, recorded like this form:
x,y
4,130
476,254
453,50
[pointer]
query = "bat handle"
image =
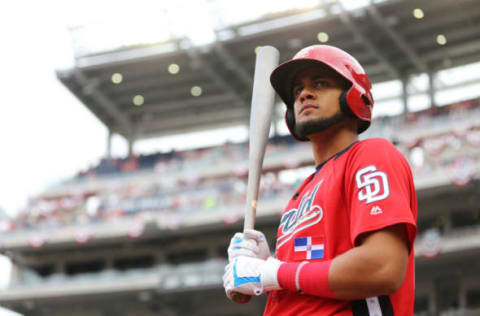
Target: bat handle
x,y
250,213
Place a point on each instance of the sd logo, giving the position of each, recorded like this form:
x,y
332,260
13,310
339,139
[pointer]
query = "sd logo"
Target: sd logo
x,y
373,184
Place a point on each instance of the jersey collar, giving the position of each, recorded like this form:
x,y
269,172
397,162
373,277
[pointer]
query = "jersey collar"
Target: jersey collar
x,y
335,156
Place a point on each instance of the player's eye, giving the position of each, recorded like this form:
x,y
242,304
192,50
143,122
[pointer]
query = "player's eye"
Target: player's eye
x,y
321,84
296,91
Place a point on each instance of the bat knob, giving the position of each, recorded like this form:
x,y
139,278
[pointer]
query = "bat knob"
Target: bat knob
x,y
240,298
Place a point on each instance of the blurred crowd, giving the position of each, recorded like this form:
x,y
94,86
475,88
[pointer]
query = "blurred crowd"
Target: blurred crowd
x,y
129,196
455,150
175,160
180,197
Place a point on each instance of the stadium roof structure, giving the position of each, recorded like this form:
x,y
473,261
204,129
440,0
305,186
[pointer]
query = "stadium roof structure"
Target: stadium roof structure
x,y
181,87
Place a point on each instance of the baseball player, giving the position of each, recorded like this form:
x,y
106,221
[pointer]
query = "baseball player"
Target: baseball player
x,y
345,240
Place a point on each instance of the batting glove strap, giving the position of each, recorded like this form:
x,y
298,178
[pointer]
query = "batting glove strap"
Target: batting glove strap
x,y
251,276
269,272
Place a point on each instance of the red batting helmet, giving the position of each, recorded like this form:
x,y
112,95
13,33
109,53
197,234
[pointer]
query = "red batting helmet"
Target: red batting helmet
x,y
356,100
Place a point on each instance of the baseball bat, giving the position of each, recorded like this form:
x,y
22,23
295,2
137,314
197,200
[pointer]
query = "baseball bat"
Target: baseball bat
x,y
263,98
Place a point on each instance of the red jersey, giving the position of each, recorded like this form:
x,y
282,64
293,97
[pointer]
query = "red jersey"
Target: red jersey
x,y
366,187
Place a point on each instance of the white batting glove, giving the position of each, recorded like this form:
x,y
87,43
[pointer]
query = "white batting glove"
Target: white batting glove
x,y
251,243
251,276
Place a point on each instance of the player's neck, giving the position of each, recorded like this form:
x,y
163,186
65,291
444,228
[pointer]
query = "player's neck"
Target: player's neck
x,y
331,141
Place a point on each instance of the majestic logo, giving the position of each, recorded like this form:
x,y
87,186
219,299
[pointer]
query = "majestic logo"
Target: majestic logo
x,y
373,184
296,220
376,210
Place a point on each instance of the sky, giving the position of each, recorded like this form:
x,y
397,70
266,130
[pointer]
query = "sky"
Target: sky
x,y
45,132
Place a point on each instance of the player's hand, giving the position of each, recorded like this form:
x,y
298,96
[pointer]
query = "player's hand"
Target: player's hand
x,y
251,243
251,276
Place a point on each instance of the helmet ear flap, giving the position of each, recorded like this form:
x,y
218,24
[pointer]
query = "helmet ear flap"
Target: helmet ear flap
x,y
347,110
344,107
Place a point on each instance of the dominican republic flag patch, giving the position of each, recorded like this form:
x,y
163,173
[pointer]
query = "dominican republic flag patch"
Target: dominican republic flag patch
x,y
309,248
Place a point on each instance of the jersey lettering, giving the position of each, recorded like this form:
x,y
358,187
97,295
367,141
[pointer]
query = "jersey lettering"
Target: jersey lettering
x,y
373,184
306,215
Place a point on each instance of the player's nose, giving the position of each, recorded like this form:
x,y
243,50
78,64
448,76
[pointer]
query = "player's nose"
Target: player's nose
x,y
306,94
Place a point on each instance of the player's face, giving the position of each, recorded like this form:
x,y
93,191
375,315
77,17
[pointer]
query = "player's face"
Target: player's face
x,y
317,93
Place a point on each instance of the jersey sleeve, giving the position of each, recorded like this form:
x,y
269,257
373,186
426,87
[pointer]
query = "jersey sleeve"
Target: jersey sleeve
x,y
379,188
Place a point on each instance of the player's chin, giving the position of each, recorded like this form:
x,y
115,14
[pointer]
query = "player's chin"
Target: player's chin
x,y
311,119
305,119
